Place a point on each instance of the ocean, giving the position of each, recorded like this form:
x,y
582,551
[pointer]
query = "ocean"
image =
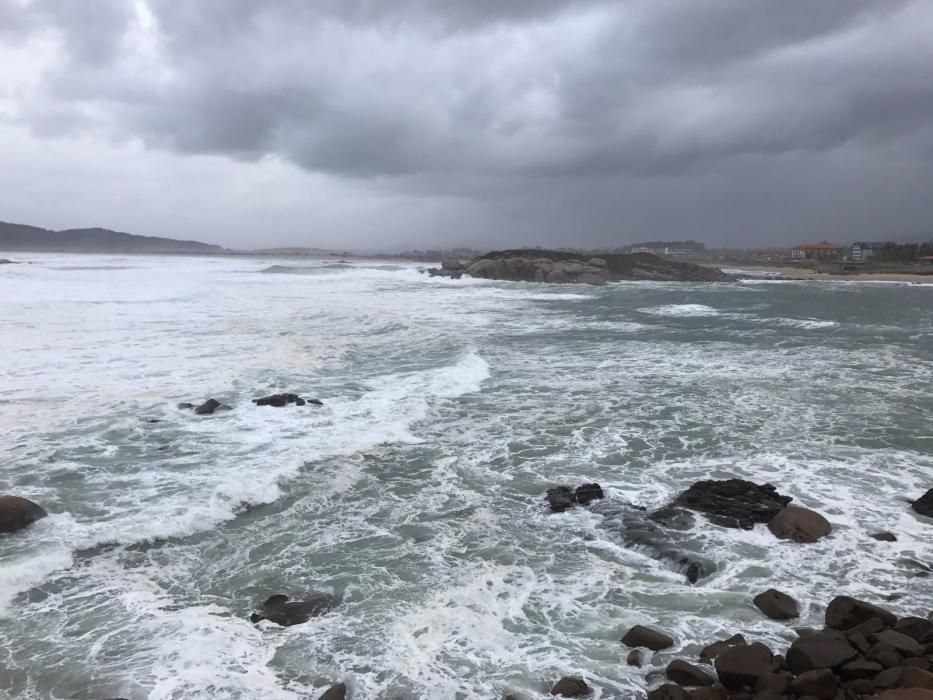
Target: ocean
x,y
415,494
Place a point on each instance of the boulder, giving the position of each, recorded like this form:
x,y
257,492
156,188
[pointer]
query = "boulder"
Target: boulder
x,y
185,406
907,694
716,692
826,649
819,683
924,504
335,692
884,537
17,513
668,691
913,677
772,681
799,524
776,605
281,611
889,678
588,492
279,400
684,673
859,669
452,264
208,407
902,643
641,636
711,651
733,503
560,498
634,658
568,687
884,654
742,665
845,613
918,628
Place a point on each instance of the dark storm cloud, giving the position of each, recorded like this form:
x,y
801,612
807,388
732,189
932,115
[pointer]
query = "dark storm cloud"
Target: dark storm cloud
x,y
448,96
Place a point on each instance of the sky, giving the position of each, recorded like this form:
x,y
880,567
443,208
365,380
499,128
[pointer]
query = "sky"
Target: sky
x,y
375,125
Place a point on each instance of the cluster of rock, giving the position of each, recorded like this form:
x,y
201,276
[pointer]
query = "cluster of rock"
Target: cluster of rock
x,y
560,498
278,400
283,611
863,652
572,268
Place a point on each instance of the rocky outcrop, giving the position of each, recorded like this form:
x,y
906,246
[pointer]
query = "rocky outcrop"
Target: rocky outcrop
x,y
800,525
576,268
280,610
924,504
335,692
560,498
17,513
280,400
733,503
206,408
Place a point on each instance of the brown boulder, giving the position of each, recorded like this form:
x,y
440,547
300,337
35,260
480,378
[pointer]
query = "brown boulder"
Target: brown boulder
x,y
776,605
571,688
907,646
907,694
889,678
913,677
916,627
844,613
16,513
772,681
711,651
742,665
335,692
822,650
641,636
712,692
859,669
634,658
799,524
668,691
684,673
820,683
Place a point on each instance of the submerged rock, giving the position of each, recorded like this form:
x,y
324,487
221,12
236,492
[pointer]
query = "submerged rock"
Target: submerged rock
x,y
281,611
733,503
17,513
568,687
335,692
588,492
560,498
208,407
924,504
641,636
800,525
777,605
279,400
884,537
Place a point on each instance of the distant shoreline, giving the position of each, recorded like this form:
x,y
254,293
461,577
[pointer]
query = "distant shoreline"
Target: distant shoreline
x,y
923,275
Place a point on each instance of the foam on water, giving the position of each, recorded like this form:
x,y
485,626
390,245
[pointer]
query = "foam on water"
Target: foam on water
x,y
688,310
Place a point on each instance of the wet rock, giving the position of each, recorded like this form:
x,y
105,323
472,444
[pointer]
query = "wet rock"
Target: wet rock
x,y
279,400
819,683
916,627
845,613
742,665
907,694
281,611
799,524
772,681
826,649
568,687
673,518
913,677
711,651
903,644
884,654
17,513
888,678
777,605
208,407
335,692
668,691
634,658
641,636
861,686
185,405
588,492
924,504
858,641
860,668
314,402
884,537
684,673
561,498
716,692
733,503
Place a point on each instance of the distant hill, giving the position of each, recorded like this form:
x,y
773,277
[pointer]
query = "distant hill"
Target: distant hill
x,y
92,240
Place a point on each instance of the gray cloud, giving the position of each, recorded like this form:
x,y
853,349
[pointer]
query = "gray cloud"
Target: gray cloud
x,y
516,106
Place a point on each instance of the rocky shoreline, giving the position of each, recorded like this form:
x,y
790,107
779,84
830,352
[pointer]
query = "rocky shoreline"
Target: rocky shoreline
x,y
558,267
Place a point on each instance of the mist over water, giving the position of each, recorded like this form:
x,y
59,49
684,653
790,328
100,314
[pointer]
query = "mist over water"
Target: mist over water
x,y
414,494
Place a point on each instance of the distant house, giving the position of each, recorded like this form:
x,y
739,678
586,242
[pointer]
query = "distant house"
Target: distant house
x,y
928,259
861,251
770,254
816,251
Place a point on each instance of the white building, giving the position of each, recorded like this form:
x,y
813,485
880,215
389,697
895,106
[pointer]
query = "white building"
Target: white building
x,y
861,251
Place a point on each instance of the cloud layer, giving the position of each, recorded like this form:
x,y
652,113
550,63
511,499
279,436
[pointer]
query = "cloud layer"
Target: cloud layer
x,y
530,121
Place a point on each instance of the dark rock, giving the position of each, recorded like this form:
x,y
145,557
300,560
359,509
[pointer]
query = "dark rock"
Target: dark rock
x,y
884,537
683,673
916,627
668,691
768,695
924,504
820,683
452,264
772,681
884,654
777,605
733,502
208,407
889,678
641,636
315,402
17,513
799,524
860,686
279,610
867,628
858,641
740,666
913,677
673,518
335,692
561,498
588,492
185,405
711,651
571,688
906,646
279,400
919,662
822,650
907,694
716,692
844,613
634,658
859,668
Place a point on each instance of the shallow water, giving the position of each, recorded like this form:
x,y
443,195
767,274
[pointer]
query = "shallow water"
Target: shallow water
x,y
415,493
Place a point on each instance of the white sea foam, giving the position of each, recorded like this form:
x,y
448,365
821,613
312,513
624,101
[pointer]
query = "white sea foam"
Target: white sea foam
x,y
686,310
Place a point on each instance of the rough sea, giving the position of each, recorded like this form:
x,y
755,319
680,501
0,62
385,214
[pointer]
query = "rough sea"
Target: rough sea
x,y
415,493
